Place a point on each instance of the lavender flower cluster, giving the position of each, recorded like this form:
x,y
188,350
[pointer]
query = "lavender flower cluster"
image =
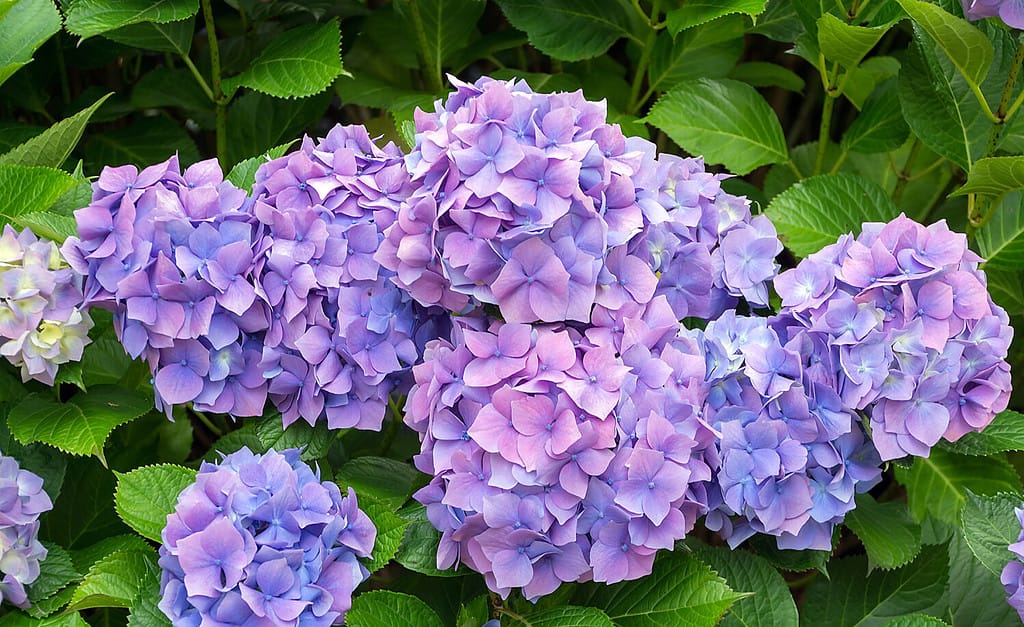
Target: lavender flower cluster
x,y
559,455
42,319
22,499
232,298
1012,576
1011,12
533,203
259,539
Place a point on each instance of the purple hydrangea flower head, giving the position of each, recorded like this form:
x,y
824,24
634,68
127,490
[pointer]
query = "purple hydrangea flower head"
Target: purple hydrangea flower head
x,y
914,340
259,539
22,499
534,203
1011,12
561,453
43,321
1013,573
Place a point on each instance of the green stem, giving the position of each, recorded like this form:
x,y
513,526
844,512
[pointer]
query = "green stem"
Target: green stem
x,y
823,132
217,90
203,418
839,161
199,78
1011,81
904,174
433,73
796,170
641,68
980,97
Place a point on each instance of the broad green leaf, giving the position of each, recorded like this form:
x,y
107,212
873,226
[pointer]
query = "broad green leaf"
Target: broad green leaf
x,y
51,226
724,120
233,441
761,74
55,572
75,198
851,596
966,46
84,559
845,43
363,474
30,189
115,581
299,62
13,133
880,127
80,426
87,18
258,123
707,51
994,176
779,21
573,30
1001,240
915,620
143,143
171,37
474,613
18,619
697,12
860,82
145,610
788,559
104,361
770,602
565,616
368,91
418,551
164,87
314,440
24,26
938,484
383,608
1007,290
390,530
975,594
50,605
441,28
990,526
681,590
1004,433
243,174
52,147
84,513
889,535
146,496
814,212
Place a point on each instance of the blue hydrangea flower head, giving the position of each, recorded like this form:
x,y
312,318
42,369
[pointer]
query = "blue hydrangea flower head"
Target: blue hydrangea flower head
x,y
22,499
1013,573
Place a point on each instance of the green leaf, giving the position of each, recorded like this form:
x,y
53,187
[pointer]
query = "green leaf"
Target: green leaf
x,y
299,62
681,590
418,551
145,610
164,87
706,51
442,28
914,620
146,496
243,174
364,474
938,484
115,581
25,189
234,440
382,608
50,605
845,43
144,142
565,616
84,513
474,613
990,526
55,572
171,37
368,91
573,30
1004,433
314,440
862,80
889,535
880,127
761,74
1007,290
87,18
724,120
80,426
24,26
52,227
966,46
85,559
850,596
390,530
18,619
788,559
258,123
814,212
976,597
697,12
770,602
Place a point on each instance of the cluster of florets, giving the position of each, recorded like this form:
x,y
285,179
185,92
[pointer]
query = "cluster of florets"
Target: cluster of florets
x,y
792,456
533,203
559,455
1013,573
22,499
902,320
231,299
42,319
342,335
1011,12
259,539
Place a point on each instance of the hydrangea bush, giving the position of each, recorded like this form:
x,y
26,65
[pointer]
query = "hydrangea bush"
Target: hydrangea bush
x,y
606,313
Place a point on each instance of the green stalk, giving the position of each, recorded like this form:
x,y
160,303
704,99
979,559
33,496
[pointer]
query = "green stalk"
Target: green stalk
x,y
904,174
433,74
1004,101
823,131
645,59
199,78
218,92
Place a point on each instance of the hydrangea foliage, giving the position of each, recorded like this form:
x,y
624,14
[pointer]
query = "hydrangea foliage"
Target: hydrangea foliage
x,y
259,539
22,500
